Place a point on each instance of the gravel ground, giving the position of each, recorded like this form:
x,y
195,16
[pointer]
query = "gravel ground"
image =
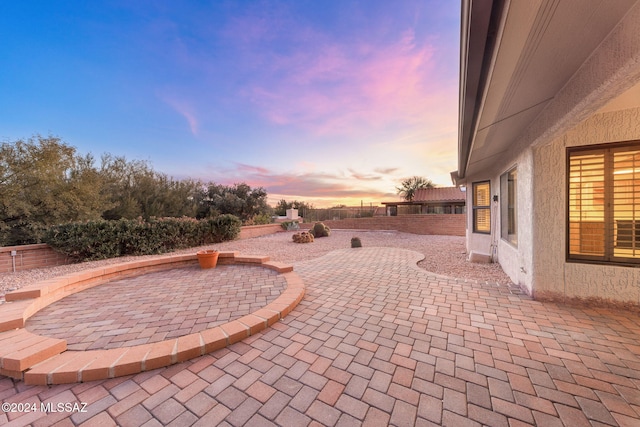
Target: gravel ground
x,y
444,255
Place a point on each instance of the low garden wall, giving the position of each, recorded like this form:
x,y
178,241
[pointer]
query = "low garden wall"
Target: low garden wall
x,y
250,231
26,257
442,224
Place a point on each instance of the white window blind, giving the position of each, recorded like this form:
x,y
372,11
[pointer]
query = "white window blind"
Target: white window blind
x,y
604,204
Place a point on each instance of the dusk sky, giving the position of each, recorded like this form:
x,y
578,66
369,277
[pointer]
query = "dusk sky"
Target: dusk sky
x,y
323,101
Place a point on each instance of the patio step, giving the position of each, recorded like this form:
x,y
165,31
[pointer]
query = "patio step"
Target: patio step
x,y
20,350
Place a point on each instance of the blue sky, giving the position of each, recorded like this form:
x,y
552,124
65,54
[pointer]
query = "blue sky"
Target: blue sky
x,y
331,101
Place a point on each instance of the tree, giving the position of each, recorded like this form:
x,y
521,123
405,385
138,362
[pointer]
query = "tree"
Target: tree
x,y
136,190
408,187
283,205
43,182
239,200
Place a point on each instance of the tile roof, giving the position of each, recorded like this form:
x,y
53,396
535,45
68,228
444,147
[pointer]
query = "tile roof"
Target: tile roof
x,y
439,194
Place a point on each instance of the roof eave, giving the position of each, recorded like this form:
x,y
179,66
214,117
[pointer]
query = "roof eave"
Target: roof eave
x,y
479,26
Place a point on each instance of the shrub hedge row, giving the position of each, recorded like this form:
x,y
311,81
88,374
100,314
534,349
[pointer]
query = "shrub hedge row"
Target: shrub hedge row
x,y
102,239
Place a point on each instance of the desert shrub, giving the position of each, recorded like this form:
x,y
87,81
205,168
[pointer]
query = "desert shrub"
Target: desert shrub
x,y
290,225
303,237
102,239
355,242
320,230
259,219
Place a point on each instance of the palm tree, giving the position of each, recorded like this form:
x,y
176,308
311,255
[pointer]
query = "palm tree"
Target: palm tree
x,y
409,186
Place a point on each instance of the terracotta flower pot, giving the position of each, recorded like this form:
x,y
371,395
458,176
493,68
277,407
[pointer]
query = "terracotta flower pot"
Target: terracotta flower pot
x,y
208,258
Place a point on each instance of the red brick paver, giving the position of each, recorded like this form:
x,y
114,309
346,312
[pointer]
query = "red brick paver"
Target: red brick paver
x,y
157,306
378,341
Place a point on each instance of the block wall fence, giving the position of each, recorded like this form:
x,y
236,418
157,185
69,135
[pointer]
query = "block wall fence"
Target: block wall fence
x,y
41,255
442,224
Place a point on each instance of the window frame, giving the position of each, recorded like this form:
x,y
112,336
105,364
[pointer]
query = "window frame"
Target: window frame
x,y
609,207
478,208
509,201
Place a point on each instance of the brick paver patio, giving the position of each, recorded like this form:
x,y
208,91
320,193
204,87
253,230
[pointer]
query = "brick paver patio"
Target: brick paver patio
x,y
378,341
157,306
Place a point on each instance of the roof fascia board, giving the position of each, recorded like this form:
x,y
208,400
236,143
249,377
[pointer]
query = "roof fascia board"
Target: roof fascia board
x,y
481,26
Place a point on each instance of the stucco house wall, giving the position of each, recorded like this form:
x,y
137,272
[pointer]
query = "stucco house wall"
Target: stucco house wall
x,y
515,260
554,278
538,262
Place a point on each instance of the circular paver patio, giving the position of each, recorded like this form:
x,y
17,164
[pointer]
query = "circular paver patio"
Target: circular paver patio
x,y
157,306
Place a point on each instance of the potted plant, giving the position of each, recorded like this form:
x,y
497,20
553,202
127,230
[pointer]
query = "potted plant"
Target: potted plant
x,y
208,258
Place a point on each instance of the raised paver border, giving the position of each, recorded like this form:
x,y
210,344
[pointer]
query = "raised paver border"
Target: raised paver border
x,y
58,366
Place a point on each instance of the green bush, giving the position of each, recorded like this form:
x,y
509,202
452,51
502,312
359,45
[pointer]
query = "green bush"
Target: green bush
x,y
222,228
259,219
86,240
108,239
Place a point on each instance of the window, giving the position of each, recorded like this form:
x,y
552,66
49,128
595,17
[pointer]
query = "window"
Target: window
x,y
482,207
604,203
509,206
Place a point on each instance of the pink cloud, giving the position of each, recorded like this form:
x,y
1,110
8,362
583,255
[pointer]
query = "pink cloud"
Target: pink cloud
x,y
339,86
386,171
325,188
256,170
364,177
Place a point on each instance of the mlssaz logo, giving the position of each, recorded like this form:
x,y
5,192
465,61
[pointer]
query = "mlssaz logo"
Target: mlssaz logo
x,y
63,407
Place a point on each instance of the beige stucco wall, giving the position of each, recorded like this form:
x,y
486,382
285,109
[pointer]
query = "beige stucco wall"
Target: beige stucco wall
x,y
515,259
538,263
553,278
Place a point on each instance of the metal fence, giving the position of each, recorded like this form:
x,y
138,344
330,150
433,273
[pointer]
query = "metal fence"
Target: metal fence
x,y
332,214
311,215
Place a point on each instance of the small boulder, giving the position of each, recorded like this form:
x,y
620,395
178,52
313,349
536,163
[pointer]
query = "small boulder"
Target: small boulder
x,y
303,237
